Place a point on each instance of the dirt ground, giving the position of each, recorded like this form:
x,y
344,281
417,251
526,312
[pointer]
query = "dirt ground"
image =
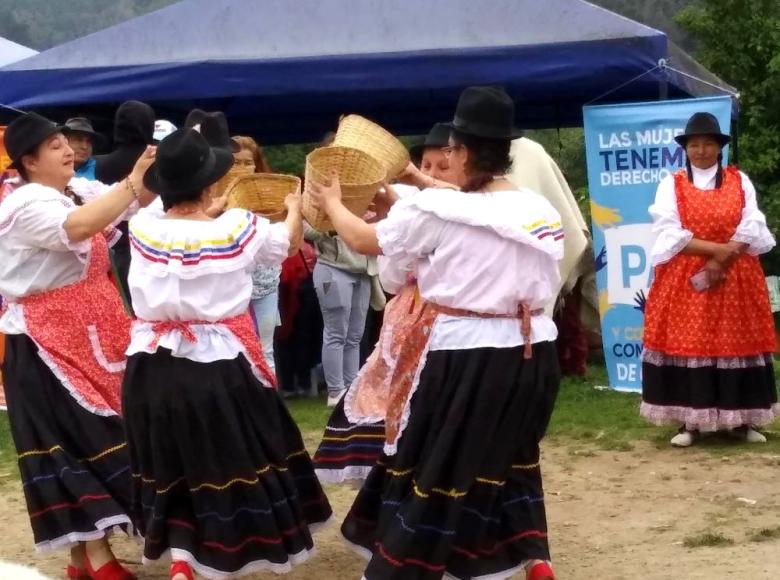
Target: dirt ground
x,y
612,516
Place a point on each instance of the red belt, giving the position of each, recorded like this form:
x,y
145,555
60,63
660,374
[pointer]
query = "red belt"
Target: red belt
x,y
523,315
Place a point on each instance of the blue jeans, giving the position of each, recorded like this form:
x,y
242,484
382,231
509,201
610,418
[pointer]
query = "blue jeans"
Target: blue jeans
x,y
266,314
344,299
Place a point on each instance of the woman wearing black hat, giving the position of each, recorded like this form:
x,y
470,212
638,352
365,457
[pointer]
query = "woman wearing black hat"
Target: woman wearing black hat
x,y
222,479
459,491
429,155
709,332
66,333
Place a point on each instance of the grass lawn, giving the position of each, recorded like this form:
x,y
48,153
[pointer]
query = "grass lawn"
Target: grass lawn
x,y
610,420
584,417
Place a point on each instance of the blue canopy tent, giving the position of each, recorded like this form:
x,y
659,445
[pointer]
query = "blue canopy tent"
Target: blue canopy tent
x,y
11,52
284,71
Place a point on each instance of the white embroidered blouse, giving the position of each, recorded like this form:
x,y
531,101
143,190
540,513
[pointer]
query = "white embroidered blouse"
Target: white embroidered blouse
x,y
672,237
35,252
189,271
483,252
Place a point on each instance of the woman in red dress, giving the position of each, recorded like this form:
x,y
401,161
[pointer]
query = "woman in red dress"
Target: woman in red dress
x,y
66,332
709,332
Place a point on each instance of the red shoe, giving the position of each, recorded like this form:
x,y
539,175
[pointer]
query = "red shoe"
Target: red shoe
x,y
111,571
181,568
75,573
540,571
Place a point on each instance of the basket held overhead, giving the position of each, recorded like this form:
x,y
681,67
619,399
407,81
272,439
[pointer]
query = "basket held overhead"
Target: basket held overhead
x,y
360,133
263,194
226,180
360,176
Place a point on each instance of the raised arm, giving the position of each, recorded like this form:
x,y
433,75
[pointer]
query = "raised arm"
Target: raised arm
x,y
294,221
356,233
94,216
413,176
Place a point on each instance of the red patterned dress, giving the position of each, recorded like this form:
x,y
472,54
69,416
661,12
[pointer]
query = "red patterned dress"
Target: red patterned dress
x,y
707,361
66,333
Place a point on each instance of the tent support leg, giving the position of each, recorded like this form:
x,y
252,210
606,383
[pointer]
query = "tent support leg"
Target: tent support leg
x,y
663,90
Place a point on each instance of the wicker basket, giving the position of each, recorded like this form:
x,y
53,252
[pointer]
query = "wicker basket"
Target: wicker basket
x,y
226,180
360,176
360,133
262,193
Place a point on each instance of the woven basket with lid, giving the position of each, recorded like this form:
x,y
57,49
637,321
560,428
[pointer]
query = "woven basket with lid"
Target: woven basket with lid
x,y
360,176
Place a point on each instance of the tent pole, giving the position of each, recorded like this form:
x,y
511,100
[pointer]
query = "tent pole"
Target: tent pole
x,y
663,84
735,140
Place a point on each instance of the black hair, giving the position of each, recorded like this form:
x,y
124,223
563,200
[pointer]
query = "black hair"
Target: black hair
x,y
170,200
71,193
487,158
22,170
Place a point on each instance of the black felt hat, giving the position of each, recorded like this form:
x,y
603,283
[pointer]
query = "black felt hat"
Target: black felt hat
x,y
486,112
82,125
24,135
703,124
214,127
438,136
184,163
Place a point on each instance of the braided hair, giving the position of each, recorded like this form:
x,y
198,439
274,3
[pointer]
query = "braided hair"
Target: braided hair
x,y
75,197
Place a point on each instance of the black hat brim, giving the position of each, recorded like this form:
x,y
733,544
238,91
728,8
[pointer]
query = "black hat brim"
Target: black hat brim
x,y
216,166
17,163
419,149
97,138
724,140
514,132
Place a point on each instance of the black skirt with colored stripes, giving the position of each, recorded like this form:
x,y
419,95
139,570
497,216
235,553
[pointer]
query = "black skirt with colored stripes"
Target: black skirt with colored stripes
x,y
348,452
463,494
221,478
73,463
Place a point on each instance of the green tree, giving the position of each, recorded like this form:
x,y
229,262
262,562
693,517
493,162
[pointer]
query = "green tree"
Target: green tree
x,y
739,40
658,14
289,159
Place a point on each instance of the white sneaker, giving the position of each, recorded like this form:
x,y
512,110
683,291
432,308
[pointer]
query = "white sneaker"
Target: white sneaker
x,y
333,400
684,439
753,436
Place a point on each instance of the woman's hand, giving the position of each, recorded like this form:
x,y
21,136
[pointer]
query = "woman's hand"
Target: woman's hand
x,y
93,217
716,273
136,177
325,195
411,175
356,233
382,203
726,254
217,206
294,201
